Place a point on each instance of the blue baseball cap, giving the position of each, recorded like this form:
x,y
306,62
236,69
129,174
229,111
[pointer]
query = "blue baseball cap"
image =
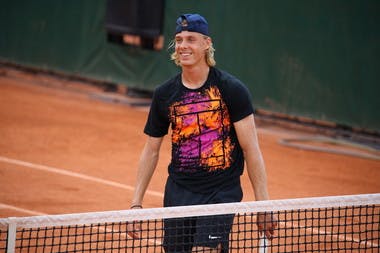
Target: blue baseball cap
x,y
192,23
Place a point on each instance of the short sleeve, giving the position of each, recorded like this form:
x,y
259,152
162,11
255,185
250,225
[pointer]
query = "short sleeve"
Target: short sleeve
x,y
238,100
157,123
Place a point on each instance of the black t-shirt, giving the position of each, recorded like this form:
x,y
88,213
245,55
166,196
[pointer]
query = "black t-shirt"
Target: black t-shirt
x,y
206,154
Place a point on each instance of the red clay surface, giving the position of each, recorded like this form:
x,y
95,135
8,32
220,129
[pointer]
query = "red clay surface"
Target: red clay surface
x,y
62,150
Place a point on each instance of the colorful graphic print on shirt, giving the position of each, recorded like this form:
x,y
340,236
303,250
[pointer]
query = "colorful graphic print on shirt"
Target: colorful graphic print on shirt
x,y
201,127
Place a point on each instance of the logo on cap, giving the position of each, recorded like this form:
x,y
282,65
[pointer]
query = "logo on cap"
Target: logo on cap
x,y
192,23
184,23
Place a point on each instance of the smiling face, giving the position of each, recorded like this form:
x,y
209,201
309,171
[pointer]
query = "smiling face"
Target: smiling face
x,y
191,48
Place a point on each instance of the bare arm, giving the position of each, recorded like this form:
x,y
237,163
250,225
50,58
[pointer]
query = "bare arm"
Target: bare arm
x,y
147,165
247,136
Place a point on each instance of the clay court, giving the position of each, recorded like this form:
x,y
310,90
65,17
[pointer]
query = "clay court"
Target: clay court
x,y
68,146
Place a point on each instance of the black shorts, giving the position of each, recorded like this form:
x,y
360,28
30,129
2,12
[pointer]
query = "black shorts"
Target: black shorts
x,y
205,231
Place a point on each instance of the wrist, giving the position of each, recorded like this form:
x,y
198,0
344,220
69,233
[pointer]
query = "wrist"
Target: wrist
x,y
136,206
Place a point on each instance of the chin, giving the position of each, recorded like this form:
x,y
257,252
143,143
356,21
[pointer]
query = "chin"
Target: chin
x,y
184,63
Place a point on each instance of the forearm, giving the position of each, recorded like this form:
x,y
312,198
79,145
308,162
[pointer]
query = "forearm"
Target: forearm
x,y
247,136
266,221
257,175
147,165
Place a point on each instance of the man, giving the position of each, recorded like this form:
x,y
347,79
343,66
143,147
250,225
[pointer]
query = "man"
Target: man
x,y
213,133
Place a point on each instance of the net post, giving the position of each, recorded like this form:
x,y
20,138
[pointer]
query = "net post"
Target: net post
x,y
11,238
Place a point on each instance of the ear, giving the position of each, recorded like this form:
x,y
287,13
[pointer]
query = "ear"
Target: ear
x,y
208,42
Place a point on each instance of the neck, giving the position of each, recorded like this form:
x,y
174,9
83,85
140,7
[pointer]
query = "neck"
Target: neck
x,y
194,77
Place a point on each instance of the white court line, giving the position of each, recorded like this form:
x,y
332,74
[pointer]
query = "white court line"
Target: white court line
x,y
340,237
32,212
77,175
19,209
264,243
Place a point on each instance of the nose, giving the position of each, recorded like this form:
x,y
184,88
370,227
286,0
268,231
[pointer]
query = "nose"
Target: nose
x,y
182,44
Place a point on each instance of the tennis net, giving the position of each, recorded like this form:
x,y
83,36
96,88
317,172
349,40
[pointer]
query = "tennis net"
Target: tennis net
x,y
324,224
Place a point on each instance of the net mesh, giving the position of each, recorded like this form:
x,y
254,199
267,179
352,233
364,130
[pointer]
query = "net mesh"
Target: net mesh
x,y
330,224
